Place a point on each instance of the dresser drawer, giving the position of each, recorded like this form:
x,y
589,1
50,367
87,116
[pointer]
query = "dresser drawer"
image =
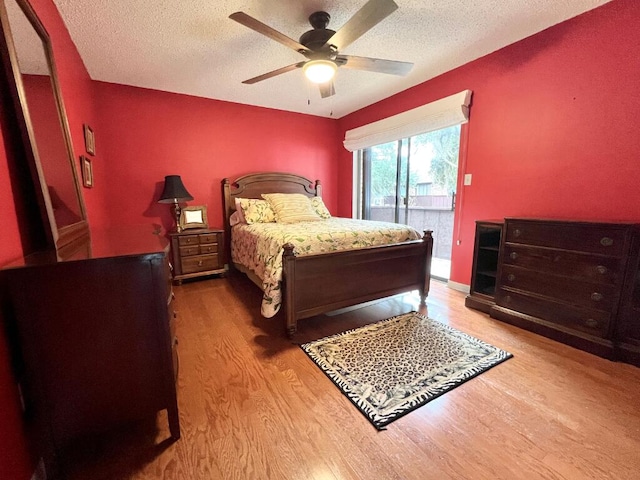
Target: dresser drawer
x,y
200,263
596,268
605,240
185,240
208,238
189,251
589,295
588,321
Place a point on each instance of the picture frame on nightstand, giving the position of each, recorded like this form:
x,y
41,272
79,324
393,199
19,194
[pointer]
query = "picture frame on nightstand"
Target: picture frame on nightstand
x,y
193,217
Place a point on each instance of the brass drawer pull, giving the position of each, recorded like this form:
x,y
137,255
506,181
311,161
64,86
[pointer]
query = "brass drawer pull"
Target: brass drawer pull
x,y
591,323
601,269
513,255
511,277
606,241
517,232
507,299
199,263
596,297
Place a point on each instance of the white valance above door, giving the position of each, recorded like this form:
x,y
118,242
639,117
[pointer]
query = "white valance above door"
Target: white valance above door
x,y
443,113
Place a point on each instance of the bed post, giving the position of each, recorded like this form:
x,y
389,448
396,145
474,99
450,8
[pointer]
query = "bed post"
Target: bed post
x,y
426,279
226,214
318,188
288,283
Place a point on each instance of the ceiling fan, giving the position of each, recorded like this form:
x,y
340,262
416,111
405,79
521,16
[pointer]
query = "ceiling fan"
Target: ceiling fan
x,y
322,46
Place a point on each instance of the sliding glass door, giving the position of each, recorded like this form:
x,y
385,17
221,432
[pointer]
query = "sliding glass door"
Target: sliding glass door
x,y
413,181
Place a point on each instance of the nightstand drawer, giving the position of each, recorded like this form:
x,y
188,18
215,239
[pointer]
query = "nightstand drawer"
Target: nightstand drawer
x,y
210,248
208,238
189,251
184,240
200,263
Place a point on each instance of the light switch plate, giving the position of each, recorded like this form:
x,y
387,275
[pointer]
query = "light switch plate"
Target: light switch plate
x,y
467,179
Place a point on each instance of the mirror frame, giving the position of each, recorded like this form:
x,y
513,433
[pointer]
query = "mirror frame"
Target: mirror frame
x,y
68,239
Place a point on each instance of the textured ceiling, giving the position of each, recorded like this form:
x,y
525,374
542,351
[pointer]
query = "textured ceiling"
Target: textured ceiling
x,y
192,47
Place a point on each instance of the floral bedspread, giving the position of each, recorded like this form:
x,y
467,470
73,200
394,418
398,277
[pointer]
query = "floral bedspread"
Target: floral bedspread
x,y
259,246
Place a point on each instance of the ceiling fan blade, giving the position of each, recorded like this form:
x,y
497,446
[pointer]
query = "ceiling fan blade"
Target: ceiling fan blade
x,y
372,13
266,30
391,67
326,89
279,71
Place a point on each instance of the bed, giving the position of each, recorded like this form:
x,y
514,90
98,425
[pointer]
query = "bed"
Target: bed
x,y
348,277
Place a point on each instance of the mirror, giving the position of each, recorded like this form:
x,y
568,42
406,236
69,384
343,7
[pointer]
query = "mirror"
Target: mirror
x,y
44,125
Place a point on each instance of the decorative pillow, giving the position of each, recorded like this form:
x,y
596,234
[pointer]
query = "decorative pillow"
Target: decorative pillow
x,y
240,215
291,207
255,210
235,218
320,207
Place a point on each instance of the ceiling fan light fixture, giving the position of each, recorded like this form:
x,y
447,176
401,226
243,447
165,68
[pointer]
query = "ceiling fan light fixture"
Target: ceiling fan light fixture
x,y
320,71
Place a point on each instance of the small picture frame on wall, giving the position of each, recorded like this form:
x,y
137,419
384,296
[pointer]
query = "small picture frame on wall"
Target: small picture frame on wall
x,y
89,140
87,172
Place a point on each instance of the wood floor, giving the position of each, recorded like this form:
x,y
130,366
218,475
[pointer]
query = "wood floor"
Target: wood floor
x,y
253,406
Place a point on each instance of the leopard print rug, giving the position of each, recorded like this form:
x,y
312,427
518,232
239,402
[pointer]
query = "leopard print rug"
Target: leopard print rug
x,y
392,367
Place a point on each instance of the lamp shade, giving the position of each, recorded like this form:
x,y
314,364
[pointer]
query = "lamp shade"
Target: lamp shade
x,y
174,191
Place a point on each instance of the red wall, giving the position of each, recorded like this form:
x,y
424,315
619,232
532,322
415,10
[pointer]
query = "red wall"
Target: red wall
x,y
144,135
553,129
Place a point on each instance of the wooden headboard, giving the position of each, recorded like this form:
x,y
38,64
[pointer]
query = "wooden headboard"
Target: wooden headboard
x,y
255,184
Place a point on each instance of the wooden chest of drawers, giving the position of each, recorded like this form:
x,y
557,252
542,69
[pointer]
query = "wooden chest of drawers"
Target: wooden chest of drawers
x,y
197,253
94,339
570,281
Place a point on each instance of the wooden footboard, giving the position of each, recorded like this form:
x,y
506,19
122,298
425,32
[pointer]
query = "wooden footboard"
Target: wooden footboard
x,y
315,284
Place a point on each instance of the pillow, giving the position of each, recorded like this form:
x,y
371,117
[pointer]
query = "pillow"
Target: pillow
x,y
255,210
291,207
235,219
240,215
320,208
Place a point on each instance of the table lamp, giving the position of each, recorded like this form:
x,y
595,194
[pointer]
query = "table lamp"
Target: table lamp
x,y
174,192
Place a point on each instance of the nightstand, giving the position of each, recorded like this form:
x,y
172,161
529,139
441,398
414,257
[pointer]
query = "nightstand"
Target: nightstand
x,y
197,253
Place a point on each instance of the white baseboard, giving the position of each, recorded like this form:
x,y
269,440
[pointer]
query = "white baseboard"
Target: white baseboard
x,y
461,287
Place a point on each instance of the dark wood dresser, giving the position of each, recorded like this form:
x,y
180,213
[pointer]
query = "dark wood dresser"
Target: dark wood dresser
x,y
197,253
576,282
93,337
